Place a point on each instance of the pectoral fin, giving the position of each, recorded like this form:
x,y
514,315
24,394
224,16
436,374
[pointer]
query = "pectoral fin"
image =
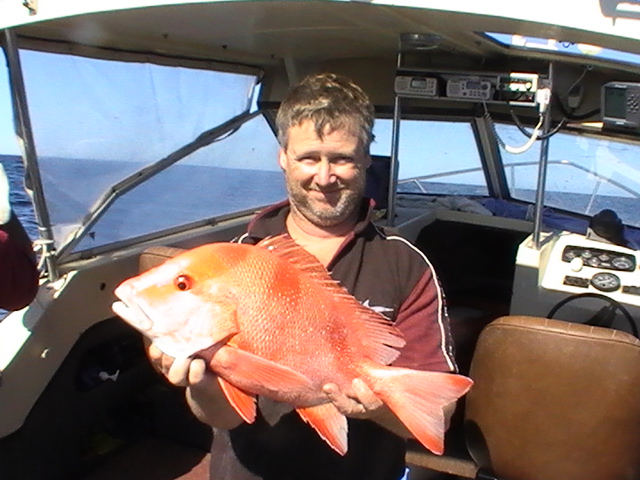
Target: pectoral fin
x,y
259,375
330,424
242,402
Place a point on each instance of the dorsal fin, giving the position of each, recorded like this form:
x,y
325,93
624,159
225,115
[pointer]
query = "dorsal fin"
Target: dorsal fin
x,y
285,247
377,334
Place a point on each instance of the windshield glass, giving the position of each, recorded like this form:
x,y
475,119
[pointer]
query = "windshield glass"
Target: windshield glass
x,y
238,173
586,174
98,122
435,157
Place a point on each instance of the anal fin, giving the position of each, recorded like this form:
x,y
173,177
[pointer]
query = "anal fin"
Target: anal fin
x,y
242,402
330,424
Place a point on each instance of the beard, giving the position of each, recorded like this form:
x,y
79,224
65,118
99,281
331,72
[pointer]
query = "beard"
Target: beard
x,y
341,203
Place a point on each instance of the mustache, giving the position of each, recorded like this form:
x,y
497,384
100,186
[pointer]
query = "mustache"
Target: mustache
x,y
334,187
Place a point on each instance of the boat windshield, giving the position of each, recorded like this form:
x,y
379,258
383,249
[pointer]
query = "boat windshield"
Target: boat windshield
x,y
102,123
449,165
585,174
103,127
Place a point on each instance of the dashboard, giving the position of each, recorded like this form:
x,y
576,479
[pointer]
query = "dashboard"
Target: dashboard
x,y
607,262
568,264
576,265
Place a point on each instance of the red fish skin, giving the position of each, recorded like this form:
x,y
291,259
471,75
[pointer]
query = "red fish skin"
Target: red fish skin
x,y
282,328
320,341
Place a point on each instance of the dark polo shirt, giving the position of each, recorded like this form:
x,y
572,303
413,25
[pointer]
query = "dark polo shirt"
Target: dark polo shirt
x,y
386,273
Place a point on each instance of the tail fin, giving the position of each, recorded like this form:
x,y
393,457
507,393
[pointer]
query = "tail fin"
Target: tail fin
x,y
417,398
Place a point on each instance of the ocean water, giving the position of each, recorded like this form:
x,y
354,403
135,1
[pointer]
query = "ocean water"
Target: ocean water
x,y
136,215
179,195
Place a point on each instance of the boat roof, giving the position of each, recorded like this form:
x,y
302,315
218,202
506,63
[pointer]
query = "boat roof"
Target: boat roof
x,y
266,33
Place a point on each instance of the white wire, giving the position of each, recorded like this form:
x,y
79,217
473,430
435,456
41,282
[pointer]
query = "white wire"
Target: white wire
x,y
529,144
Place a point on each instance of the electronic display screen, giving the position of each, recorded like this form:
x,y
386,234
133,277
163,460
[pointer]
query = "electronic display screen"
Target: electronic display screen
x,y
615,102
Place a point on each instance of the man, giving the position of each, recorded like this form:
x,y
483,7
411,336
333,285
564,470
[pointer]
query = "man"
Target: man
x,y
18,272
325,130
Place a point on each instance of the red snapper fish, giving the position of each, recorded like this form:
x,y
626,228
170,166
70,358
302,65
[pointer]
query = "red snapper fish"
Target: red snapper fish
x,y
271,322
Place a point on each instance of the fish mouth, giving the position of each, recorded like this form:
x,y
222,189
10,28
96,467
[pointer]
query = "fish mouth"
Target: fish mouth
x,y
133,315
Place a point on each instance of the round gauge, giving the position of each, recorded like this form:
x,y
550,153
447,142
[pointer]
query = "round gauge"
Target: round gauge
x,y
605,282
622,263
593,261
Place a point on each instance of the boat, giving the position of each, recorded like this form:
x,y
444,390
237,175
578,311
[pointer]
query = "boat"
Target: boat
x,y
507,147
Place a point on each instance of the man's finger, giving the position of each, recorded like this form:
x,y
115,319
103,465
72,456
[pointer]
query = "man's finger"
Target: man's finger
x,y
178,373
345,405
365,395
197,371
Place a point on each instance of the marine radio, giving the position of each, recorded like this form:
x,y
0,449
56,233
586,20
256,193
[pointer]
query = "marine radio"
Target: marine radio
x,y
620,104
416,86
469,88
514,88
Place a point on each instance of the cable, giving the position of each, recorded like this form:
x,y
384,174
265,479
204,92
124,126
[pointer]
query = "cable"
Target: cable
x,y
524,131
571,116
543,98
508,148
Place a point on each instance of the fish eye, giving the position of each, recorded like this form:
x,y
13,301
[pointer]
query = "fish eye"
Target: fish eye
x,y
183,282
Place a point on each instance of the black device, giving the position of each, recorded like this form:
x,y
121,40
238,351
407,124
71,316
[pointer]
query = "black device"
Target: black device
x,y
620,104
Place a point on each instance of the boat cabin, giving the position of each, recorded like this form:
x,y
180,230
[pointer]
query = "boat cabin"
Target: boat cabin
x,y
507,149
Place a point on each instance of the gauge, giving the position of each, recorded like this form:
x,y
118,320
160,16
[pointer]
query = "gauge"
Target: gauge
x,y
605,282
622,263
593,261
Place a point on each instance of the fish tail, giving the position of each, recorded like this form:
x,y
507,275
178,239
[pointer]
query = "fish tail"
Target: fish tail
x,y
417,398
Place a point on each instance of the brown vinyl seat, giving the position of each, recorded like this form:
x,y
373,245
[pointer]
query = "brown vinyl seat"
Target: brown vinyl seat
x,y
552,400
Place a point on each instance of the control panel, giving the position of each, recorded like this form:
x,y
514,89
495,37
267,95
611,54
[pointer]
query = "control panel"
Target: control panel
x,y
515,88
577,265
568,264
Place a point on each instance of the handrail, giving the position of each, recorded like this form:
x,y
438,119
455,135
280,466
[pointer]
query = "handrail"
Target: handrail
x,y
115,191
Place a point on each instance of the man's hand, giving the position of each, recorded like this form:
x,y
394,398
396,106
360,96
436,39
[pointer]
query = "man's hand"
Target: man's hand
x,y
360,402
182,372
203,393
5,206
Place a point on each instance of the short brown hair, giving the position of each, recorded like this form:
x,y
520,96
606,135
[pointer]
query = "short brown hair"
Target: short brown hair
x,y
328,100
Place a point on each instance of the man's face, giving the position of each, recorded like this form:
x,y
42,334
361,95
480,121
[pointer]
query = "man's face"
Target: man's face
x,y
325,178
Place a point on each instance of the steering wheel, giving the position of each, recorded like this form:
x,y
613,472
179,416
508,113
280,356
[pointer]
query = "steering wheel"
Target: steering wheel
x,y
613,307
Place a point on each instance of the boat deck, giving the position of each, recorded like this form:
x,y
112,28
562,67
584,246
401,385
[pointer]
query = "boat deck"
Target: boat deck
x,y
153,458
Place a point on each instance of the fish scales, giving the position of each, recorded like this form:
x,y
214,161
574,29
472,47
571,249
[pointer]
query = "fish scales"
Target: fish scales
x,y
298,307
271,322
